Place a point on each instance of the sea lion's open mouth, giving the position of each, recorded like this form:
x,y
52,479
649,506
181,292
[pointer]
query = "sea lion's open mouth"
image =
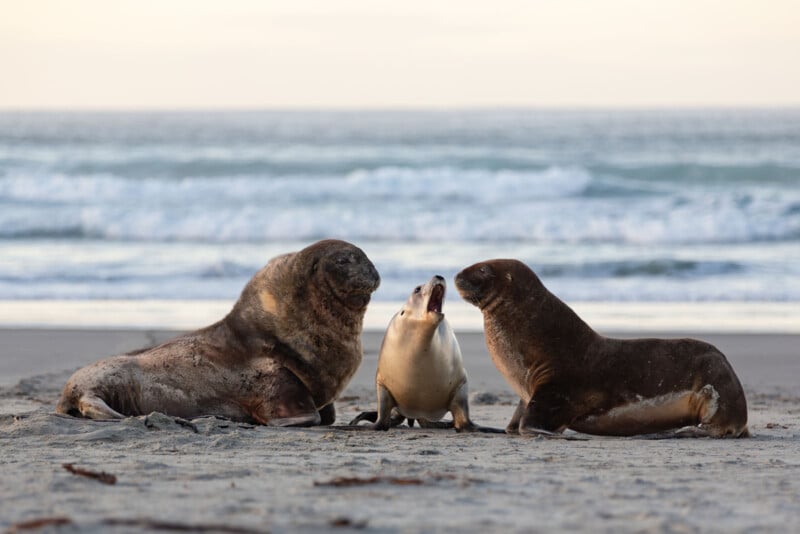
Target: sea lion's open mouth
x,y
436,299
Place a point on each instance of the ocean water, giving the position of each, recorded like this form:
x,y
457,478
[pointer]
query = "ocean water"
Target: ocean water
x,y
606,206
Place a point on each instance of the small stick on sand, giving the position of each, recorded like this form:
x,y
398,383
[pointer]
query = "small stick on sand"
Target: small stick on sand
x,y
152,524
102,476
42,522
357,481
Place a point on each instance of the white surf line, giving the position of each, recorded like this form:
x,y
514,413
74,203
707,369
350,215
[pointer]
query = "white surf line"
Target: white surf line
x,y
710,317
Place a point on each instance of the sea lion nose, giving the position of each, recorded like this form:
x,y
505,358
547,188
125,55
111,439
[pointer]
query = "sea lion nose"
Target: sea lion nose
x,y
374,275
439,278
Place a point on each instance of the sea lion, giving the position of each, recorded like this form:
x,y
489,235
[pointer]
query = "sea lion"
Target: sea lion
x,y
569,376
281,357
420,370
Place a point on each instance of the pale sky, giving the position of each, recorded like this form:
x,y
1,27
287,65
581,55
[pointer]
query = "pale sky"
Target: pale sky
x,y
135,54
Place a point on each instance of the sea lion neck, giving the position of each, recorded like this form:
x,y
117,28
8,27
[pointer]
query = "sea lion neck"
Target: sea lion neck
x,y
247,330
423,329
560,330
545,319
328,311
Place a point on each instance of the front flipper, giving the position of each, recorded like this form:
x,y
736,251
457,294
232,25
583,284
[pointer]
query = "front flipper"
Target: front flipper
x,y
546,414
382,419
459,407
394,420
285,402
364,416
513,426
327,414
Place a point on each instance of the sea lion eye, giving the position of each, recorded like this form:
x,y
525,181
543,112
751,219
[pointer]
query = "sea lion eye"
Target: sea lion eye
x,y
417,289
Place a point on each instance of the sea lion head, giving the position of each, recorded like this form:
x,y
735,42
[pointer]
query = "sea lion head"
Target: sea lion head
x,y
425,302
329,276
344,269
480,284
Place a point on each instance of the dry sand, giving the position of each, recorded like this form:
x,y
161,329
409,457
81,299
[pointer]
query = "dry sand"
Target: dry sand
x,y
221,476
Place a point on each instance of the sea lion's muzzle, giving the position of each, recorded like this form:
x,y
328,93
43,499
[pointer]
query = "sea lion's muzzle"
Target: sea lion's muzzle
x,y
362,283
364,277
357,301
466,289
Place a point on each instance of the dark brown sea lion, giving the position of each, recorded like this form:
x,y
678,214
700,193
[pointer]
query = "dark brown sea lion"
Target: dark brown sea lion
x,y
281,357
421,372
569,376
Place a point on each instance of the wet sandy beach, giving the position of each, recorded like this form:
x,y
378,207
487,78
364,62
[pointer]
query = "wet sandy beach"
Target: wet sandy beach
x,y
215,475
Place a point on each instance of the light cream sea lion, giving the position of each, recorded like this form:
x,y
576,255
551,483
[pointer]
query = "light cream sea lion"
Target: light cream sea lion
x,y
568,376
421,373
281,357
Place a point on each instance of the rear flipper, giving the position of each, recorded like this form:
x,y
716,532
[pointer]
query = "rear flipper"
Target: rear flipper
x,y
424,423
93,407
685,432
700,431
469,426
483,430
681,414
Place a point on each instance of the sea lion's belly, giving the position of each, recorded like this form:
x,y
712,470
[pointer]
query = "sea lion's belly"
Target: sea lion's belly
x,y
423,384
422,377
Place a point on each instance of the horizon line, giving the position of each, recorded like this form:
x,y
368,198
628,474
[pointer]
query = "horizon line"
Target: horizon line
x,y
398,108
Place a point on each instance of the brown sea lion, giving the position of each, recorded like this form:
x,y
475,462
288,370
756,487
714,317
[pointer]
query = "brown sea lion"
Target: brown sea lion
x,y
281,357
421,372
569,376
